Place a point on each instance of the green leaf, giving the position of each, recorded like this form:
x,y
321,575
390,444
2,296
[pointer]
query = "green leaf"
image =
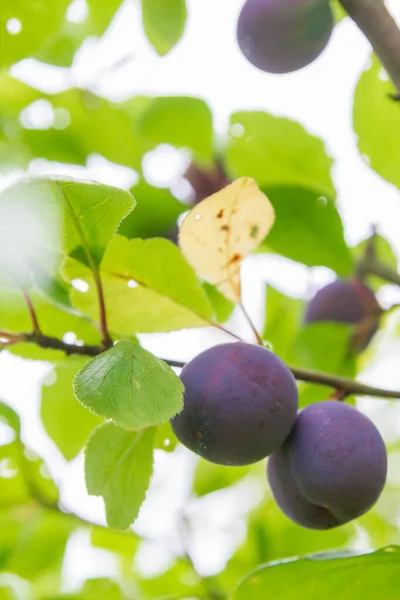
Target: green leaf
x,y
87,124
223,308
368,576
73,217
9,417
183,122
61,47
130,386
39,545
277,151
384,253
335,339
155,215
67,423
339,12
118,466
53,321
164,22
30,23
211,478
376,120
308,229
165,438
282,321
148,287
120,542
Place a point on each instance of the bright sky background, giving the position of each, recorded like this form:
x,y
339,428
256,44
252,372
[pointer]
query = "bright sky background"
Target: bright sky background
x,y
207,63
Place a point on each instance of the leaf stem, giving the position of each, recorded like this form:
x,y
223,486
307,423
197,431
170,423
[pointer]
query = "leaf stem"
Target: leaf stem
x,y
32,314
250,322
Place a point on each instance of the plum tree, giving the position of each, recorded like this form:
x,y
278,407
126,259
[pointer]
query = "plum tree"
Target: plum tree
x,y
332,467
280,36
240,404
350,302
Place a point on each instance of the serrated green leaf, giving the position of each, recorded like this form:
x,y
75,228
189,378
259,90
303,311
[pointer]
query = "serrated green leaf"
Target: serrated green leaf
x,y
376,119
118,466
308,229
26,25
131,386
66,422
164,22
368,576
277,151
183,122
282,322
43,217
148,287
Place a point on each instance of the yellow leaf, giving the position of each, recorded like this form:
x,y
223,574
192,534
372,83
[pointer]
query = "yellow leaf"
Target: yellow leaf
x,y
222,230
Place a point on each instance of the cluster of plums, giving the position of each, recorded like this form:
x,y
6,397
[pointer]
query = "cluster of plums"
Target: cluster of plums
x,y
280,36
327,464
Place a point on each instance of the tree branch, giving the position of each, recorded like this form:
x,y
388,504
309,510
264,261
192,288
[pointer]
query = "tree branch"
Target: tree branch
x,y
380,28
347,386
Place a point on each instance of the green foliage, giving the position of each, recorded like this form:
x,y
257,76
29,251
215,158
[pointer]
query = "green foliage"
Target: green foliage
x,y
181,122
378,137
301,215
223,308
156,213
60,48
58,234
383,251
164,22
365,576
282,322
62,414
130,386
118,466
337,357
276,151
148,287
33,24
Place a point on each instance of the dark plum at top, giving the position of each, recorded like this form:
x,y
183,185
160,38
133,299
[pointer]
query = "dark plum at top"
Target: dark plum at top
x,y
347,302
240,404
280,36
332,467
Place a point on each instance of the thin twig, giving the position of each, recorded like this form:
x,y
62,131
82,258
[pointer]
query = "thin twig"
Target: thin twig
x,y
252,326
381,30
32,314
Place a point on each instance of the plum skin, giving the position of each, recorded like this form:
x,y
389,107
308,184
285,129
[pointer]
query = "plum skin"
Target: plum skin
x,y
346,301
331,469
281,36
240,403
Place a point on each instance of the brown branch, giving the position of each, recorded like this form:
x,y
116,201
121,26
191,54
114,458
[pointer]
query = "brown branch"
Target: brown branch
x,y
380,28
348,386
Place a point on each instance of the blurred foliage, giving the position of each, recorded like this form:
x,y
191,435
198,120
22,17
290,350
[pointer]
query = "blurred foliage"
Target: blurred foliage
x,y
148,286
